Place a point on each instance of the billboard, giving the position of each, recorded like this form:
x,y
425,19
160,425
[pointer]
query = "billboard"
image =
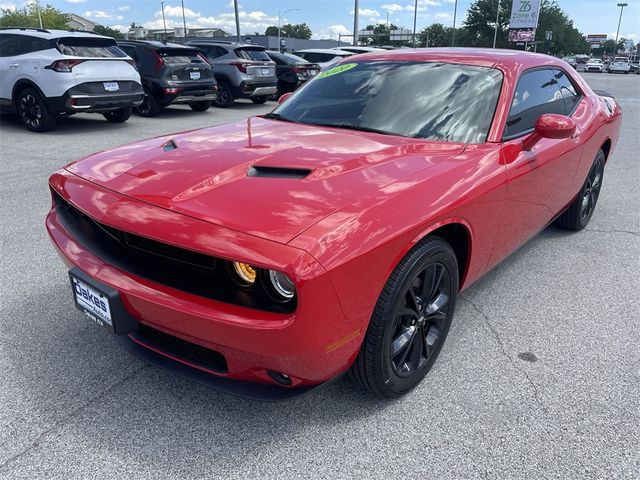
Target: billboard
x,y
524,14
522,35
596,39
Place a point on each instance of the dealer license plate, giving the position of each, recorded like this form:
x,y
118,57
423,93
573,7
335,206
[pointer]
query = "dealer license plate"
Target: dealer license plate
x,y
264,71
194,75
92,302
111,86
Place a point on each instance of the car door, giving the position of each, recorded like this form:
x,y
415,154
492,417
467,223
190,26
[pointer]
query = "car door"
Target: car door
x,y
540,180
9,66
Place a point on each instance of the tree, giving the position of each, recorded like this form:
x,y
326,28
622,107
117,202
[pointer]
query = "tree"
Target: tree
x,y
108,32
28,17
298,30
480,24
566,39
436,35
382,36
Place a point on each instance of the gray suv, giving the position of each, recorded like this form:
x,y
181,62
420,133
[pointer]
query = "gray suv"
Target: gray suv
x,y
241,70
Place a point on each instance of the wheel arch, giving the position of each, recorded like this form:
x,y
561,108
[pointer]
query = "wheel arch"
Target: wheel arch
x,y
21,85
457,233
606,148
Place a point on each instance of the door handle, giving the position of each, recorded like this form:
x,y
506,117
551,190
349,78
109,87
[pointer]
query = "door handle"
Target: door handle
x,y
13,66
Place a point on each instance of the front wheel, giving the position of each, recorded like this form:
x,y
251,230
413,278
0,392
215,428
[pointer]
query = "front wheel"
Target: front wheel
x,y
410,321
200,106
260,100
577,216
118,116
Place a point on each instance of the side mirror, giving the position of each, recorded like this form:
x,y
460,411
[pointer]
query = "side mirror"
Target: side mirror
x,y
283,98
550,125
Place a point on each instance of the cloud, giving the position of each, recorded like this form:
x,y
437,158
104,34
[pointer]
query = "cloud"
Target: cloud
x,y
170,11
443,17
76,1
392,7
332,32
124,8
102,15
8,6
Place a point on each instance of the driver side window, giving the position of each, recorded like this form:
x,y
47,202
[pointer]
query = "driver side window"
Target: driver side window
x,y
537,93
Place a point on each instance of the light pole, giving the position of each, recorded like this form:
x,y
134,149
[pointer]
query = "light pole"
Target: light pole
x,y
280,15
621,5
235,8
415,16
164,23
355,24
495,33
453,34
184,20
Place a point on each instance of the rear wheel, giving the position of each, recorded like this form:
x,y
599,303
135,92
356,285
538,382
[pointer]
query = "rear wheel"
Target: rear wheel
x,y
149,107
577,216
224,99
410,321
118,116
200,106
33,111
260,100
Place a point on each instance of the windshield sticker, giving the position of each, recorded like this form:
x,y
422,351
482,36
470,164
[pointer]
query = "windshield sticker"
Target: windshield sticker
x,y
337,70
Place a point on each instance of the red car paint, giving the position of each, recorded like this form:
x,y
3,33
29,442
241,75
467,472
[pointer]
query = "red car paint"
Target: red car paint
x,y
339,232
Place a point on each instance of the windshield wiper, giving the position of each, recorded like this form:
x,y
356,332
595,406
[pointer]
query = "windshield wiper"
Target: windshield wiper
x,y
350,126
276,116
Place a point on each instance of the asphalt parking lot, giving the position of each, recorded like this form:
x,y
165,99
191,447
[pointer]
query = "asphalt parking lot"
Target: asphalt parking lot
x,y
539,378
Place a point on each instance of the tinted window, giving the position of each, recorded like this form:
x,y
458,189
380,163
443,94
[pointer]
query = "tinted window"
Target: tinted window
x,y
90,47
252,54
13,45
180,55
131,51
537,93
437,101
568,91
287,59
314,57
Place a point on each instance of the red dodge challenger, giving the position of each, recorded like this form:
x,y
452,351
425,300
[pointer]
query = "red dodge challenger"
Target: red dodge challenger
x,y
269,256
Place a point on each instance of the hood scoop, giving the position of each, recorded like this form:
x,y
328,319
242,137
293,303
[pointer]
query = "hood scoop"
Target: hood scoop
x,y
278,172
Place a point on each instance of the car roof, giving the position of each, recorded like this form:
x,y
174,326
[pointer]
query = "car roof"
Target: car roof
x,y
223,43
324,50
349,48
49,34
156,44
504,59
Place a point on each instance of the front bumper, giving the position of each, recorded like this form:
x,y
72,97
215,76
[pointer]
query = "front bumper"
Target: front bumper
x,y
311,345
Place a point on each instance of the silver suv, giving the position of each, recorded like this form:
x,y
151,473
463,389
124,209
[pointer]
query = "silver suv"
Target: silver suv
x,y
241,70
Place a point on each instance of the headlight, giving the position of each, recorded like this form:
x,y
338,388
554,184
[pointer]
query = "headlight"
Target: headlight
x,y
245,272
282,284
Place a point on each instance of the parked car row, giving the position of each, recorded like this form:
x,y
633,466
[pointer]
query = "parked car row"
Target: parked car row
x,y
45,74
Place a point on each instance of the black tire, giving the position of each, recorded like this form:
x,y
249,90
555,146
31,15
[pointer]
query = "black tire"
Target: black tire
x,y
118,116
33,111
224,99
578,214
200,106
406,334
260,100
149,106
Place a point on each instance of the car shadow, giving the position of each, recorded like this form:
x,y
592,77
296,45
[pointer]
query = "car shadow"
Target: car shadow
x,y
82,123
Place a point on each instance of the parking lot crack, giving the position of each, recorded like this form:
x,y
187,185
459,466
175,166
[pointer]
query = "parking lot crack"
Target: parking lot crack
x,y
536,393
613,231
57,424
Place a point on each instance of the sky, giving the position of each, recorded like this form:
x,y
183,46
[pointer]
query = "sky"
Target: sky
x,y
326,18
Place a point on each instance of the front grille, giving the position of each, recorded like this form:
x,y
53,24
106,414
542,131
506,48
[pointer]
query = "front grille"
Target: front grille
x,y
176,267
181,349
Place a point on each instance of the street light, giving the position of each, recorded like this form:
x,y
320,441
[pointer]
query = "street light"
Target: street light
x,y
495,32
453,33
621,5
164,23
280,15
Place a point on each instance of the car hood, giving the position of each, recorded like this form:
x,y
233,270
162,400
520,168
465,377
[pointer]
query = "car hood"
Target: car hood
x,y
268,178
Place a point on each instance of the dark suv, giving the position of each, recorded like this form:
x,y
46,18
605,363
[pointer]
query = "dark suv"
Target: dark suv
x,y
242,71
171,73
292,71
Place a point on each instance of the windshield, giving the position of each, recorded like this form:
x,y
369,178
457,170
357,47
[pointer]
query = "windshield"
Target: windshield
x,y
90,47
436,101
255,54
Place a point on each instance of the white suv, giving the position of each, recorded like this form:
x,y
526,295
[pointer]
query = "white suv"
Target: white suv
x,y
47,73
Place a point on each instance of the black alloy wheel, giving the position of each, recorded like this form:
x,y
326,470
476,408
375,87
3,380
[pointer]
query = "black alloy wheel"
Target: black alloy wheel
x,y
224,98
149,106
420,320
410,321
579,213
33,112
